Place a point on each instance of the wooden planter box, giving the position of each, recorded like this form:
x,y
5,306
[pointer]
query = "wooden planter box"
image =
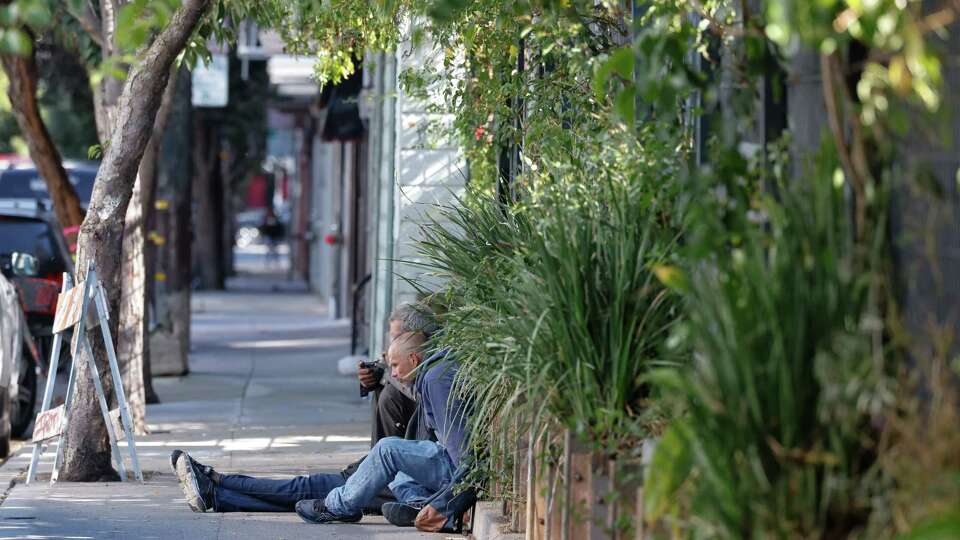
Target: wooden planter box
x,y
577,495
583,495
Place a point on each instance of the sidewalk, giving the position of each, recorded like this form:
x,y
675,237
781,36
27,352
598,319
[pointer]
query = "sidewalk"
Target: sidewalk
x,y
263,398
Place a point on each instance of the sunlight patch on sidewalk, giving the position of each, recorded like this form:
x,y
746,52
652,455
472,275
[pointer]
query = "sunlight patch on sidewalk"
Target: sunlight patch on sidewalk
x,y
252,444
285,343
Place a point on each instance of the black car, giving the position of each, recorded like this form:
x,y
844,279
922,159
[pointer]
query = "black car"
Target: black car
x,y
24,183
29,228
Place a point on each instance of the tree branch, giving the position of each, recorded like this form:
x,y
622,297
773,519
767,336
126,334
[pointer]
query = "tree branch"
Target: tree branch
x,y
828,75
940,19
717,27
90,23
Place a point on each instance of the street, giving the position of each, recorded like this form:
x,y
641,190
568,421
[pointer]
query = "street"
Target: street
x,y
263,398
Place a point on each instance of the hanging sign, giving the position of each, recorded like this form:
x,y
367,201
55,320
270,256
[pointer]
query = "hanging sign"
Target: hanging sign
x,y
211,83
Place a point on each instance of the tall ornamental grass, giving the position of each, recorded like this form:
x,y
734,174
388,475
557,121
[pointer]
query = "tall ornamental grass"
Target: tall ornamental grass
x,y
777,440
552,304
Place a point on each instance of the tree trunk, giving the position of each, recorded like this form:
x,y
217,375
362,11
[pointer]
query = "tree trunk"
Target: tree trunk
x,y
132,346
106,93
170,257
86,447
208,191
22,73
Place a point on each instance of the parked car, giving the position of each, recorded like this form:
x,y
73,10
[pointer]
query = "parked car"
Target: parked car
x,y
18,361
27,228
20,181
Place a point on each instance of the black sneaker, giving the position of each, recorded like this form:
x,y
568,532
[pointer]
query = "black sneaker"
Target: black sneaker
x,y
194,481
314,511
400,514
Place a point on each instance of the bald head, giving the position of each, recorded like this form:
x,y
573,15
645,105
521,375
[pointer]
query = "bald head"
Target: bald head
x,y
405,354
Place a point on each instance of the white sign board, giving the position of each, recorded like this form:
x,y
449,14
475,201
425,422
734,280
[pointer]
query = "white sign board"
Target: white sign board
x,y
48,424
211,83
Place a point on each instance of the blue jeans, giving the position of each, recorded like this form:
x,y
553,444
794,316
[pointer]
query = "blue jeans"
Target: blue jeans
x,y
239,493
412,469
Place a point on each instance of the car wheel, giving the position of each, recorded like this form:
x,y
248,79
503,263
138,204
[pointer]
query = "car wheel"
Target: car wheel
x,y
21,411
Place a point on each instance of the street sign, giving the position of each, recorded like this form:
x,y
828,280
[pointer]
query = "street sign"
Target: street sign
x,y
73,303
211,83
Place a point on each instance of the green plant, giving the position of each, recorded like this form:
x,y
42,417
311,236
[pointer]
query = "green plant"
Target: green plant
x,y
552,304
784,281
785,379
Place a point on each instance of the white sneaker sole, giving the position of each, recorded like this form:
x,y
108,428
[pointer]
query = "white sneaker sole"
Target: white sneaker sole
x,y
189,485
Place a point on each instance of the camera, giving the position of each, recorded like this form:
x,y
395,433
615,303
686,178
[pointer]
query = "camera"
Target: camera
x,y
377,369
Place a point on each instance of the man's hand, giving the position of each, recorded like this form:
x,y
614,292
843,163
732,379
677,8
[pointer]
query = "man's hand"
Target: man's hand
x,y
369,378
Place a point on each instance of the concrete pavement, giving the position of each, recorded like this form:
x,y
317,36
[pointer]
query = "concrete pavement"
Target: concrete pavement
x,y
263,398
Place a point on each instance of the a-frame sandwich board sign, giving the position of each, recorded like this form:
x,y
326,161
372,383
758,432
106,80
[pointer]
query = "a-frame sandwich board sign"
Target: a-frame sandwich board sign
x,y
73,308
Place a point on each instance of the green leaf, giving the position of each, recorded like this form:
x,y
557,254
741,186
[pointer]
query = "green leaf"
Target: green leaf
x,y
622,61
95,152
665,379
7,16
672,277
118,73
626,104
15,41
133,25
126,19
946,527
600,77
446,10
671,465
35,14
133,37
162,11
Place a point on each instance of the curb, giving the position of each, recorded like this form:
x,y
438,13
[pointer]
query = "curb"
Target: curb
x,y
490,524
14,470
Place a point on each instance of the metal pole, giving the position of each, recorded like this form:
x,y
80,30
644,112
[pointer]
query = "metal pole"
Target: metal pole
x,y
104,410
51,381
104,316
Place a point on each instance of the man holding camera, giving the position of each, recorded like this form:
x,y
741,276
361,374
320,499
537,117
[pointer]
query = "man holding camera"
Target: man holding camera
x,y
395,401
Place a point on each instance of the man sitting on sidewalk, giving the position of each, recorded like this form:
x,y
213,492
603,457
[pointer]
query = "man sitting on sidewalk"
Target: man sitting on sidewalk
x,y
206,489
394,408
431,465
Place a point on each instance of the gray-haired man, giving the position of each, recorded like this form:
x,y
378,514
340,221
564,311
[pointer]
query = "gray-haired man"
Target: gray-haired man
x,y
395,407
